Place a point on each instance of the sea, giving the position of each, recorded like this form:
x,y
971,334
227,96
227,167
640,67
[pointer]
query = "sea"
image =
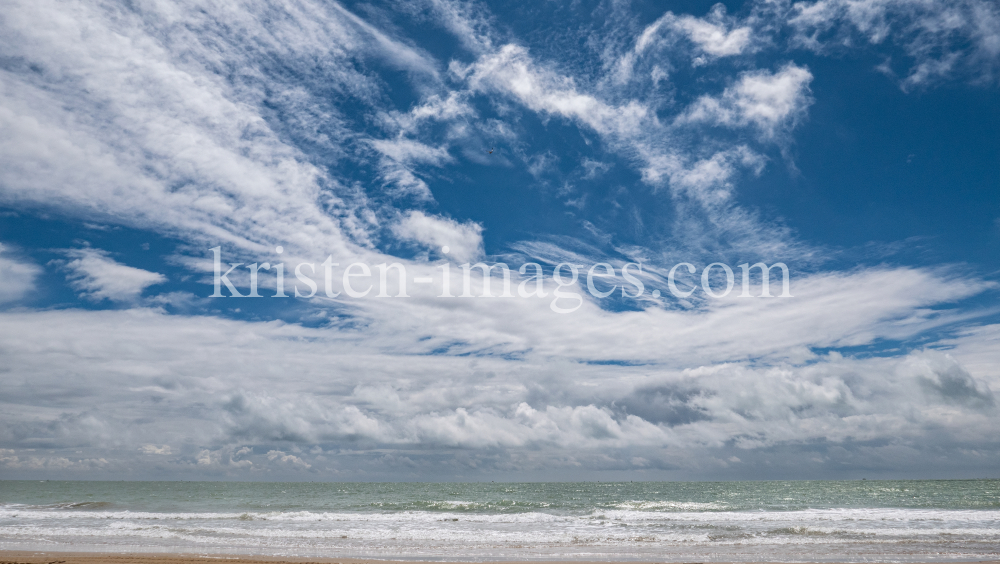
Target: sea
x,y
776,521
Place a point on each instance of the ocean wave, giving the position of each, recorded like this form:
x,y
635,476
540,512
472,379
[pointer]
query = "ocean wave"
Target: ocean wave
x,y
296,516
640,505
881,516
503,505
76,505
131,532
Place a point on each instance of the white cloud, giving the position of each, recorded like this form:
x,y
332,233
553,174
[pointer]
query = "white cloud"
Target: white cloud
x,y
714,36
594,168
287,458
708,181
398,157
541,164
701,168
739,374
465,240
17,277
976,346
410,151
51,463
466,20
96,276
192,155
162,450
942,38
714,39
433,108
512,71
404,56
228,458
130,122
771,102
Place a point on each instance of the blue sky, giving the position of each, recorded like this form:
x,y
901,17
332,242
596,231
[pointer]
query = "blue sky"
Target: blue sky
x,y
854,141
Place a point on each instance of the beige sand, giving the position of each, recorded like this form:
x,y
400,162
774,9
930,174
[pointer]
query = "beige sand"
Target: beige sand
x,y
26,557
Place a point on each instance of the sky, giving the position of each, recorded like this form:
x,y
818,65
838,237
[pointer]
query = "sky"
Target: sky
x,y
853,141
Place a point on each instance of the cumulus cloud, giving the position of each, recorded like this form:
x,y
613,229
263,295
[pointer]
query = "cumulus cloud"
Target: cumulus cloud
x,y
738,377
287,459
49,463
714,39
97,276
770,102
155,449
225,458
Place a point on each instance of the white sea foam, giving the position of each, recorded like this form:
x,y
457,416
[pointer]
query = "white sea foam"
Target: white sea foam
x,y
600,527
424,522
639,505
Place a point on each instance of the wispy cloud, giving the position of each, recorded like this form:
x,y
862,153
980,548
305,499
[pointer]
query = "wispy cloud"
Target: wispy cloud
x,y
17,276
97,276
933,33
713,36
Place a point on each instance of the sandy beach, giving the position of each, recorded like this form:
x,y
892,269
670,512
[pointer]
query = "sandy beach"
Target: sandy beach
x,y
29,557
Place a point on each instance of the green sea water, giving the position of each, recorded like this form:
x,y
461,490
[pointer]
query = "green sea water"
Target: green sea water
x,y
950,520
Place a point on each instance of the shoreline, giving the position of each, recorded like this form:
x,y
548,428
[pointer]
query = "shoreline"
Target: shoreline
x,y
79,557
